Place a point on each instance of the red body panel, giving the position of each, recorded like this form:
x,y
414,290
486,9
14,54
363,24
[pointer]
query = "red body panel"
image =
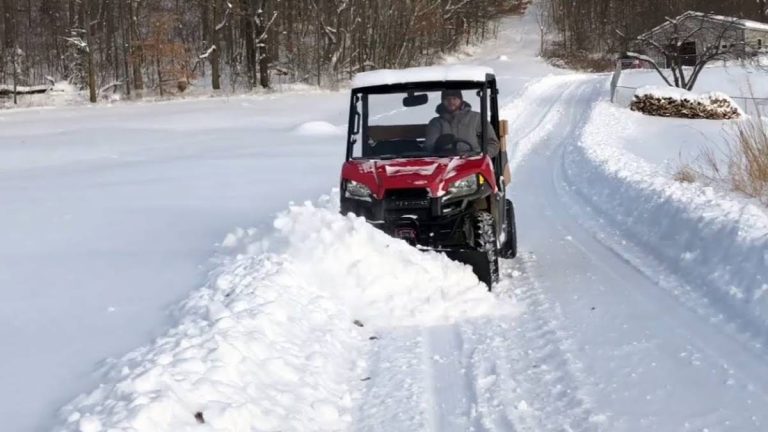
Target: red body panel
x,y
435,174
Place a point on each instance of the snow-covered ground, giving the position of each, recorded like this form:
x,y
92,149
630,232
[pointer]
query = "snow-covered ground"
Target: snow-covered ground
x,y
636,303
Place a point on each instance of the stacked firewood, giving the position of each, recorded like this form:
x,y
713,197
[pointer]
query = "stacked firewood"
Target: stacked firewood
x,y
710,107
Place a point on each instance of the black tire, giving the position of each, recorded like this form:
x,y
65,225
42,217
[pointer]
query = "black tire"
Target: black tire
x,y
485,241
509,248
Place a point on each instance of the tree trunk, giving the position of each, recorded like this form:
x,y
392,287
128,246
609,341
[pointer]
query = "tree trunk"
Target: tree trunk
x,y
263,42
215,56
125,45
15,51
137,55
250,43
89,50
159,74
9,24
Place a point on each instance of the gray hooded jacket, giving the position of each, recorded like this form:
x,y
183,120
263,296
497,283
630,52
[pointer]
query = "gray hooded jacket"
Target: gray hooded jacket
x,y
464,124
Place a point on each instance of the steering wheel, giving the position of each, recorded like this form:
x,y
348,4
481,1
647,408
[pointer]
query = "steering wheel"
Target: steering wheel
x,y
461,141
448,145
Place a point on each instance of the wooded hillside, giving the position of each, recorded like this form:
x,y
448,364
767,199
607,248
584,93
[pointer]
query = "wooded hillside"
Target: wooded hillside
x,y
163,45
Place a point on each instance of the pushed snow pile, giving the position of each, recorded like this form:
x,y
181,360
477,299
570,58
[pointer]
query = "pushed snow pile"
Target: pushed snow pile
x,y
278,339
318,128
675,102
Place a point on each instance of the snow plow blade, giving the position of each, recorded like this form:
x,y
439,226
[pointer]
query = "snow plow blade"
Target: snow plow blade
x,y
477,260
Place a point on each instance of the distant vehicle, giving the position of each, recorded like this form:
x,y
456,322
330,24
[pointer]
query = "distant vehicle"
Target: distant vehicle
x,y
631,63
448,195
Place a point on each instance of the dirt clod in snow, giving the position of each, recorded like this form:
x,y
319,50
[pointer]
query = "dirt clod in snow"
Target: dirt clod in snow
x,y
199,417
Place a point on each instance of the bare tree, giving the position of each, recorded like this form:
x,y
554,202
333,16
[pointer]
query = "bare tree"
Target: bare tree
x,y
120,45
714,35
542,13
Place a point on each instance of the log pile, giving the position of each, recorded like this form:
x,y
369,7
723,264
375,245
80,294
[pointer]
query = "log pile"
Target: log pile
x,y
710,107
8,90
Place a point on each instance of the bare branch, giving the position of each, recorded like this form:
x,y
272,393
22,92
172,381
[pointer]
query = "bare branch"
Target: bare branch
x,y
652,63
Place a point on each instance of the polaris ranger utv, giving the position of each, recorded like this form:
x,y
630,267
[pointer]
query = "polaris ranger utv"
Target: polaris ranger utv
x,y
437,191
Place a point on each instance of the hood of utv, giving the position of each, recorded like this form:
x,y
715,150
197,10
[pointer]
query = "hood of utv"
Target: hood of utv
x,y
433,174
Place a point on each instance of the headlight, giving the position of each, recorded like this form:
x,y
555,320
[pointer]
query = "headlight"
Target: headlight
x,y
357,190
465,186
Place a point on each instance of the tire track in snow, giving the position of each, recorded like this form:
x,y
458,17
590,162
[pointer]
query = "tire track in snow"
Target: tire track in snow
x,y
537,123
485,374
552,393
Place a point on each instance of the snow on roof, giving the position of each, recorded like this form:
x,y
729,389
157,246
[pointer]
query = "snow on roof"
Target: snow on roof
x,y
753,25
421,74
742,23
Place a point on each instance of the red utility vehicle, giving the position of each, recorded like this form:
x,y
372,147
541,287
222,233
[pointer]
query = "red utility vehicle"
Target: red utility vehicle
x,y
447,195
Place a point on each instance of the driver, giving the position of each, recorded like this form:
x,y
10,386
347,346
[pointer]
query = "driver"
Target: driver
x,y
455,117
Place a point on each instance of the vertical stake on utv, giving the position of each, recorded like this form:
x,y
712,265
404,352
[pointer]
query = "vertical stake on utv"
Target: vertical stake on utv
x,y
434,189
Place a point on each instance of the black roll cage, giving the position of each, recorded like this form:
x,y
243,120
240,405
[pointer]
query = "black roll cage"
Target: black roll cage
x,y
488,90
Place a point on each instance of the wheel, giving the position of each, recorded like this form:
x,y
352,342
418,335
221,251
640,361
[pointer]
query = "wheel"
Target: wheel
x,y
486,242
509,248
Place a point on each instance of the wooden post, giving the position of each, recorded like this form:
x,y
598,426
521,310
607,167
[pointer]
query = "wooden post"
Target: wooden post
x,y
503,132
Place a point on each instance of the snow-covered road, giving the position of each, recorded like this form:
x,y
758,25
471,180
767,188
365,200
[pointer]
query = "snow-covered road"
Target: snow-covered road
x,y
651,358
314,321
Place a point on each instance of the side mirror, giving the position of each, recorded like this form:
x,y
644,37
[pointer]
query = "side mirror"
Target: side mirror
x,y
414,100
356,117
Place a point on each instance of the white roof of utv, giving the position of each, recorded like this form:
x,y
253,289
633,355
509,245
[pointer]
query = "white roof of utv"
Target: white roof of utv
x,y
421,74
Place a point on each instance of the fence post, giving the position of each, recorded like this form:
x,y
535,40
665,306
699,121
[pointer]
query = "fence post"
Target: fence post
x,y
615,79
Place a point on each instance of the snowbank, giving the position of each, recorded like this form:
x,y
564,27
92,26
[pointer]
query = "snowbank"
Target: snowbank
x,y
675,102
318,128
279,337
717,243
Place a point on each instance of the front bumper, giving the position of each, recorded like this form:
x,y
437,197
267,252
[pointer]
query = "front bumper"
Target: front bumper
x,y
436,223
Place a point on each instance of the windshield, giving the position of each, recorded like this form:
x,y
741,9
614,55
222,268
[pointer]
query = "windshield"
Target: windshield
x,y
417,124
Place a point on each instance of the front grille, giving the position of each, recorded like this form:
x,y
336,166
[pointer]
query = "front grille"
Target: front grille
x,y
405,199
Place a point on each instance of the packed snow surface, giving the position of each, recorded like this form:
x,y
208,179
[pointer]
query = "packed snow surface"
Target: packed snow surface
x,y
421,74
